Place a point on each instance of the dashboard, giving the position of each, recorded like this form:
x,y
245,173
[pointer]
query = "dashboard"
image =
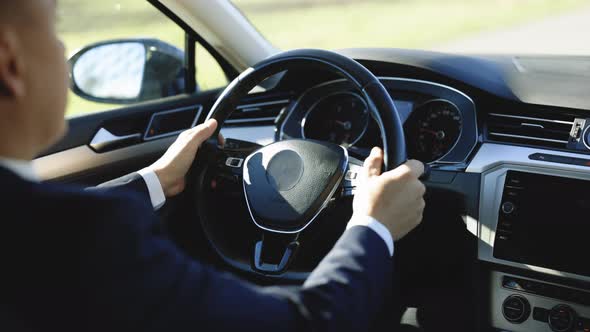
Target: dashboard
x,y
440,122
508,141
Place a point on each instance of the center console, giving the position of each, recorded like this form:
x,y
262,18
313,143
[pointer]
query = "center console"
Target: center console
x,y
534,230
542,221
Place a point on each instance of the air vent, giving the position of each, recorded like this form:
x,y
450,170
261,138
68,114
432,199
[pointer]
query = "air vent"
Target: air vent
x,y
538,128
257,113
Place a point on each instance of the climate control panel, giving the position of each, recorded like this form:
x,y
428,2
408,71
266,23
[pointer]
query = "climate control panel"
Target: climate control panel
x,y
523,304
562,318
516,309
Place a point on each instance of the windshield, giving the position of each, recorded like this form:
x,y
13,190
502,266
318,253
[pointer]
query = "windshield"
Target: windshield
x,y
463,26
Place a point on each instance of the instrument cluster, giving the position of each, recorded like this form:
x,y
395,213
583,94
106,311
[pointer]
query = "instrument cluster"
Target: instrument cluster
x,y
439,121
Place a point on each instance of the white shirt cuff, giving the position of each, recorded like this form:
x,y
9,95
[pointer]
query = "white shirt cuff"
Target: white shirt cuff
x,y
376,226
154,188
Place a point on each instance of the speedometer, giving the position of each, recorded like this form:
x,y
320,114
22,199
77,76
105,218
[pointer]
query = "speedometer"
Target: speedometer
x,y
340,118
433,130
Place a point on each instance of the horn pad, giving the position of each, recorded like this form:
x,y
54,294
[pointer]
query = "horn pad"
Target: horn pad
x,y
287,183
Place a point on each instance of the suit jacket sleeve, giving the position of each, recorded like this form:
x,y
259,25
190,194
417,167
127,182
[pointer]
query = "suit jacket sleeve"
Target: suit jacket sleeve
x,y
136,279
131,182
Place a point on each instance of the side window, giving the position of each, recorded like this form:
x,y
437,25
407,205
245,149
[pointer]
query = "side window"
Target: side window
x,y
125,52
209,73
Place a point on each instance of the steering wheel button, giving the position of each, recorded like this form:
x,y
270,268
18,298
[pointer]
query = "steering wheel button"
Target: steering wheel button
x,y
508,207
234,162
350,175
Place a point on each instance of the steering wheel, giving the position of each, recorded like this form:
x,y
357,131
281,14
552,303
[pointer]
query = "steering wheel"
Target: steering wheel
x,y
288,183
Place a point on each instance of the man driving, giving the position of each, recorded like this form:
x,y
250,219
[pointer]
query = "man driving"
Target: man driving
x,y
98,260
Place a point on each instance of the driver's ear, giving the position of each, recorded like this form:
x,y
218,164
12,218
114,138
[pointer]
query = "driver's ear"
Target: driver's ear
x,y
12,78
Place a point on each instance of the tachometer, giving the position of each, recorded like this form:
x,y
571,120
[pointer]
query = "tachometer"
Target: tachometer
x,y
340,118
433,130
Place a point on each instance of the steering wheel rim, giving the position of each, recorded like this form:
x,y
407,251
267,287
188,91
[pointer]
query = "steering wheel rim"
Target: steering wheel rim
x,y
334,159
381,105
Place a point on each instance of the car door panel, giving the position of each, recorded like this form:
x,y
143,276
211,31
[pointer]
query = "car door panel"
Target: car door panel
x,y
73,160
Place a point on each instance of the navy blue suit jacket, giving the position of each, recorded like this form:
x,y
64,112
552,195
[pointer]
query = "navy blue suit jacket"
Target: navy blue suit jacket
x,y
80,260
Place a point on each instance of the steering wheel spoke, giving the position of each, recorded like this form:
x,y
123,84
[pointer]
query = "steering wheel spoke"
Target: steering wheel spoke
x,y
274,252
351,177
227,160
287,184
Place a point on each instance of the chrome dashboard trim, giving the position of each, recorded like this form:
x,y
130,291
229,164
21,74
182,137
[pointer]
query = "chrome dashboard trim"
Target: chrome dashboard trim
x,y
493,161
401,79
492,155
520,117
533,138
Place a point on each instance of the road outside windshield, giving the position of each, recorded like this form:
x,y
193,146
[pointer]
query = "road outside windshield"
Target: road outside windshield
x,y
464,26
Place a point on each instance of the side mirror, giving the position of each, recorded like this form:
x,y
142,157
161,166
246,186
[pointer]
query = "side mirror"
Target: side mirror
x,y
127,71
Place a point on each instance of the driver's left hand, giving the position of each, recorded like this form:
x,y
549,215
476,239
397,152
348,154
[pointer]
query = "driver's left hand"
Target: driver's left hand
x,y
173,166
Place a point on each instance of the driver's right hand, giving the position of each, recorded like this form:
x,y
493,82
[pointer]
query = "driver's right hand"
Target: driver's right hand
x,y
394,198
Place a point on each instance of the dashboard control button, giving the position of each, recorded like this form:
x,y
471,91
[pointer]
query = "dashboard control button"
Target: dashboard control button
x,y
514,181
512,193
561,318
512,283
516,309
508,207
546,290
539,156
530,286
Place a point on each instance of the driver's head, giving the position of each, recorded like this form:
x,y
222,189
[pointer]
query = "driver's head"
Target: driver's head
x,y
33,78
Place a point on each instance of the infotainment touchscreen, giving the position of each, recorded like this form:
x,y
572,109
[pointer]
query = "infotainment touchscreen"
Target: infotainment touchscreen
x,y
545,221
